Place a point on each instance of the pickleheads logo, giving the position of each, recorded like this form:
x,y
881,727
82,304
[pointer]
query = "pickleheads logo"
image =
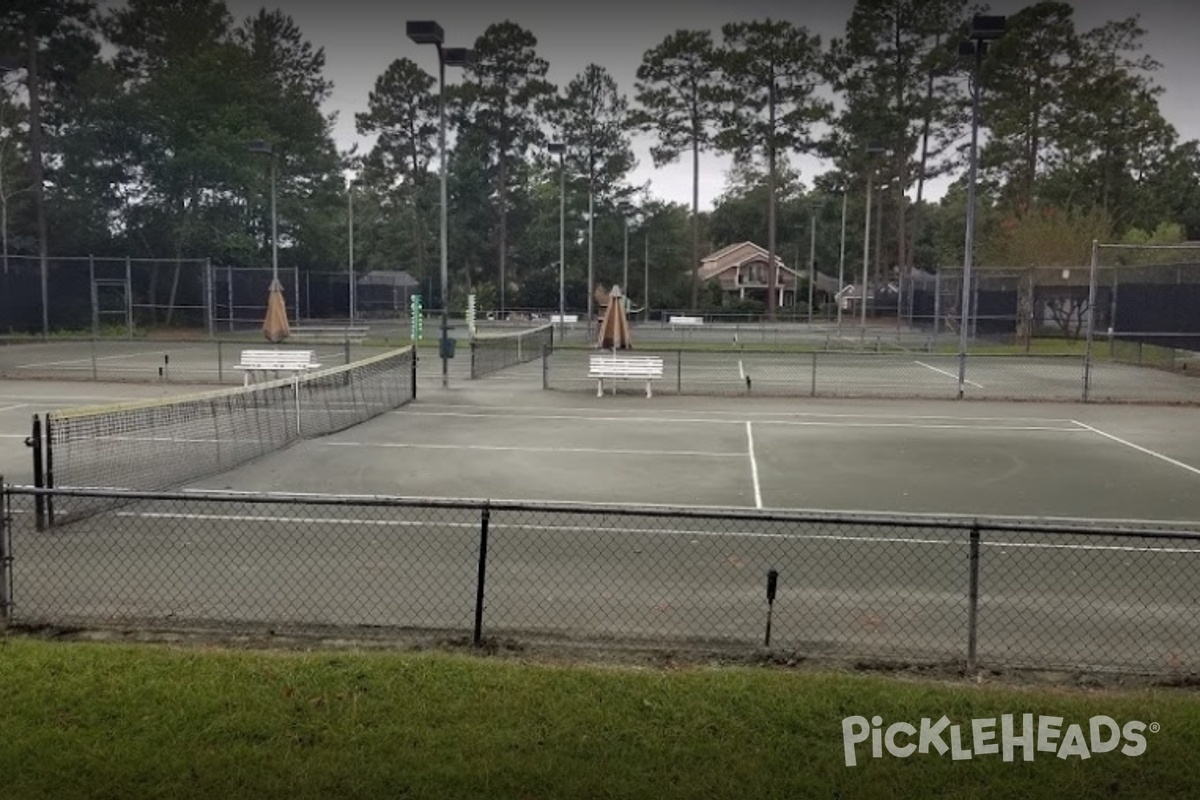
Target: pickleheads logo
x,y
984,737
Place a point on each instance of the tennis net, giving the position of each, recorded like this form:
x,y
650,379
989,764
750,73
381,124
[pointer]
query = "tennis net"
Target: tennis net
x,y
159,444
499,351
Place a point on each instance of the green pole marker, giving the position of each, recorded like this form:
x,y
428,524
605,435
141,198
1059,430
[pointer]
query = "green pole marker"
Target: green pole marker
x,y
418,323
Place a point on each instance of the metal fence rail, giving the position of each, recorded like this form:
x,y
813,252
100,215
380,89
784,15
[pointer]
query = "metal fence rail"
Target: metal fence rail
x,y
982,592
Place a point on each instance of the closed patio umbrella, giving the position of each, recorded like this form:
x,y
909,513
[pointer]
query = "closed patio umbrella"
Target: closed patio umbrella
x,y
614,330
275,326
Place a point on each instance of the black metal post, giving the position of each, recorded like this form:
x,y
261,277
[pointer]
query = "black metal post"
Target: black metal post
x,y
414,372
39,476
6,583
48,440
973,598
772,585
485,518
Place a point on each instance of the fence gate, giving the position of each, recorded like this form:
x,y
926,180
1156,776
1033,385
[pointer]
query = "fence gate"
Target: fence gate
x,y
112,304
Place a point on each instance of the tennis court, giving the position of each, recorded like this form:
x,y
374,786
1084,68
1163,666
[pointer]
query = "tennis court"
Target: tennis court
x,y
504,437
852,587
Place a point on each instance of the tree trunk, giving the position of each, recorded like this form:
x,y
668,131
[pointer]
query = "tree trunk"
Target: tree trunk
x,y
695,225
175,286
771,275
37,169
901,152
503,196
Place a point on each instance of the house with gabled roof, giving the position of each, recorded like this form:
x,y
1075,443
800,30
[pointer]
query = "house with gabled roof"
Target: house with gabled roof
x,y
743,272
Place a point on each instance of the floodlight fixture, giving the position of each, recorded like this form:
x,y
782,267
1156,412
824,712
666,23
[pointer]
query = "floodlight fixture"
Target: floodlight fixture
x,y
425,32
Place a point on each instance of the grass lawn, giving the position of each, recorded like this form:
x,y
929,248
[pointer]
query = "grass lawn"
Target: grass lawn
x,y
105,720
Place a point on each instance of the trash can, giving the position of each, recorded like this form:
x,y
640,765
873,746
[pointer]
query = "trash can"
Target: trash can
x,y
446,347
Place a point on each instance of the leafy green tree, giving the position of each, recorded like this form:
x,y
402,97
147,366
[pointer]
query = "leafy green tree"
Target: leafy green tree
x,y
1024,102
675,85
895,73
769,103
592,117
34,27
508,91
403,115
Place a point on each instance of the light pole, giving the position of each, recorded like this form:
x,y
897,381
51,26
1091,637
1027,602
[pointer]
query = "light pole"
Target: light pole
x,y
11,63
561,149
7,64
872,149
264,147
812,257
626,209
842,261
350,220
646,280
983,30
427,32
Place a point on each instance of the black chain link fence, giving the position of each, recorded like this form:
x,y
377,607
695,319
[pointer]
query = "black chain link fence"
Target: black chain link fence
x,y
998,593
890,373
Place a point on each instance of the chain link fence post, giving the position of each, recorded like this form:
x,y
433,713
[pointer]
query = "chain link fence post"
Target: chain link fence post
x,y
480,582
973,599
1091,320
6,582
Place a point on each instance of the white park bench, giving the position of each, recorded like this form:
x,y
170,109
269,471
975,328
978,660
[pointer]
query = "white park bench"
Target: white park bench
x,y
686,322
293,361
560,319
329,333
615,367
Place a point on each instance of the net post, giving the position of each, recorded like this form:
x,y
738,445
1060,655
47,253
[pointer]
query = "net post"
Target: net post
x,y
34,442
1091,320
48,474
413,366
296,394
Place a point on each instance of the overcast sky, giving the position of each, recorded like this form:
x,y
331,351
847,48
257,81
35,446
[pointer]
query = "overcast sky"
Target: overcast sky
x,y
361,37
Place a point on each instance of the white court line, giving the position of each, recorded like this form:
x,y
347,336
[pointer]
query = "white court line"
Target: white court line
x,y
797,423
501,448
744,414
14,407
753,466
915,518
741,370
1139,448
588,529
88,359
947,374
12,436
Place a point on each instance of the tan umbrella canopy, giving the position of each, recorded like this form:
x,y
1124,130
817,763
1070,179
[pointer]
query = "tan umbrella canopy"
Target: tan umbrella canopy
x,y
614,330
275,326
